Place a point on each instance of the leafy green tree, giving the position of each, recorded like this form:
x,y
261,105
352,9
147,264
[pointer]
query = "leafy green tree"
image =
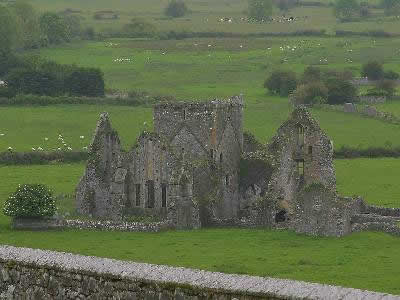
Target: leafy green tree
x,y
346,10
30,201
285,5
260,10
281,82
176,9
340,90
7,32
311,74
72,26
311,93
364,9
29,32
54,28
36,82
373,70
391,7
391,75
383,88
85,82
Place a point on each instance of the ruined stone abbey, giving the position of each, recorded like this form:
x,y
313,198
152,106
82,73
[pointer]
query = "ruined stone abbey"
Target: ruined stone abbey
x,y
198,169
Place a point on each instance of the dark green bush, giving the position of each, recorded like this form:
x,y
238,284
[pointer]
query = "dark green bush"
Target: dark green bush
x,y
383,88
340,91
281,82
30,201
373,70
176,9
41,158
311,93
391,75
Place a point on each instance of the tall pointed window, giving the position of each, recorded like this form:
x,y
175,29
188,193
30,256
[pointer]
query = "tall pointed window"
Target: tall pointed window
x,y
163,195
137,188
300,135
300,168
150,194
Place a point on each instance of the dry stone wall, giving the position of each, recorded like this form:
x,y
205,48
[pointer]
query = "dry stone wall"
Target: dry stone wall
x,y
37,274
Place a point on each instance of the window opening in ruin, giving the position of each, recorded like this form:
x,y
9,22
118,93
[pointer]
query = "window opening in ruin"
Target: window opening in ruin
x,y
184,114
300,168
150,194
300,135
310,150
227,180
281,216
221,158
137,188
212,154
164,195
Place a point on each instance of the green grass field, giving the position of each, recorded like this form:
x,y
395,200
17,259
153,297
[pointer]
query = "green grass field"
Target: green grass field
x,y
27,127
362,260
205,14
192,68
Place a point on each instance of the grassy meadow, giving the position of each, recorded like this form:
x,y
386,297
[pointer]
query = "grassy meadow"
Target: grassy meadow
x,y
205,16
27,127
363,260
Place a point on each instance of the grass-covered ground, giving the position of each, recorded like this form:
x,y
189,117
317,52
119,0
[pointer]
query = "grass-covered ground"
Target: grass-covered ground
x,y
205,14
27,127
376,180
363,260
219,67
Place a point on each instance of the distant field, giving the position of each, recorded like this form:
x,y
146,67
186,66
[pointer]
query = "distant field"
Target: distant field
x,y
205,14
27,127
390,106
376,180
366,260
219,67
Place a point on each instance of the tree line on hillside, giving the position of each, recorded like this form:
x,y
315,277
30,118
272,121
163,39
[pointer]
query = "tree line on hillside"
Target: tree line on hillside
x,y
344,10
21,28
318,86
36,76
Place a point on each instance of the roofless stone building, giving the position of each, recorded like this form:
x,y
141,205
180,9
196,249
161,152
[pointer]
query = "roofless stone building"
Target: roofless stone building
x,y
196,170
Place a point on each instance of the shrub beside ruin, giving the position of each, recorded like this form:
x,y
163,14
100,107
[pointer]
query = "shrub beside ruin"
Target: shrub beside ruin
x,y
30,201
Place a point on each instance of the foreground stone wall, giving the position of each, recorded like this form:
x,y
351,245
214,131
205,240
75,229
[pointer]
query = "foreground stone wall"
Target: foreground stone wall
x,y
37,274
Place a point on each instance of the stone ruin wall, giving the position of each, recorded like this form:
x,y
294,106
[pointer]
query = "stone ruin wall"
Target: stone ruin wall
x,y
37,274
303,155
117,184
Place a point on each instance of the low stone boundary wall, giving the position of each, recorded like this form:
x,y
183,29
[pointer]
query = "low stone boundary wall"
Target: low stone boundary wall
x,y
38,274
383,211
363,110
377,226
45,224
372,99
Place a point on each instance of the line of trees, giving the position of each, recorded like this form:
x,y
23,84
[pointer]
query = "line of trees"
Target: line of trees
x,y
36,76
21,27
314,86
350,10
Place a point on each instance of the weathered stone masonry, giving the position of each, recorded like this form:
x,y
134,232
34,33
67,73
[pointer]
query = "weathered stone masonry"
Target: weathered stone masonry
x,y
167,172
37,274
189,172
